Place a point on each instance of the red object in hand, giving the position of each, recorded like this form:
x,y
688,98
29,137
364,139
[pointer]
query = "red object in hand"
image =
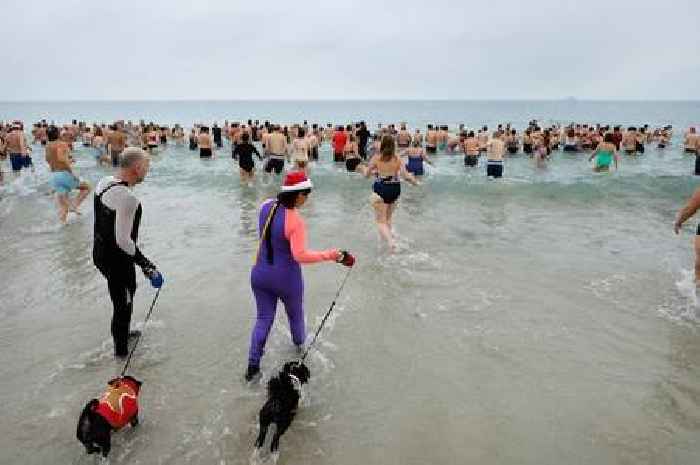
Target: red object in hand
x,y
348,259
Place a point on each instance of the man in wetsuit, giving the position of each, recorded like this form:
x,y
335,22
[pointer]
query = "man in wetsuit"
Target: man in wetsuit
x,y
216,132
117,218
362,137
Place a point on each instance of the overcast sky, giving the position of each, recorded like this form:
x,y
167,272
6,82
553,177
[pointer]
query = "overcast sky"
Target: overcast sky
x,y
282,49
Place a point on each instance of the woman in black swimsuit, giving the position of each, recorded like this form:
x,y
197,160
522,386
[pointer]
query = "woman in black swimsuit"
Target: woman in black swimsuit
x,y
244,153
388,169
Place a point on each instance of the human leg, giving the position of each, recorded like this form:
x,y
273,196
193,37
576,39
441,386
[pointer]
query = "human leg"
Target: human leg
x,y
122,295
294,306
266,303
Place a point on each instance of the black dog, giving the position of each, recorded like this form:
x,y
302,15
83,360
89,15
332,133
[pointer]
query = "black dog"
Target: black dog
x,y
283,394
117,407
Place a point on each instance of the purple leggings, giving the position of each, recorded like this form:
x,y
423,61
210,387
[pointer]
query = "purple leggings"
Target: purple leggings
x,y
266,297
279,280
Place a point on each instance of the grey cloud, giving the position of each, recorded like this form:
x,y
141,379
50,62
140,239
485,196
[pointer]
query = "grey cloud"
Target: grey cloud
x,y
362,49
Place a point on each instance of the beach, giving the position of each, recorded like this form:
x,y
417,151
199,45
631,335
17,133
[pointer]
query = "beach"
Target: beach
x,y
547,317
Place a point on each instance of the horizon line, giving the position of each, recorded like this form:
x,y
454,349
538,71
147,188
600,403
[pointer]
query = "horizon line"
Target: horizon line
x,y
564,99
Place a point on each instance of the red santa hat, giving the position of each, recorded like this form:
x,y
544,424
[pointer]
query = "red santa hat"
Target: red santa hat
x,y
296,181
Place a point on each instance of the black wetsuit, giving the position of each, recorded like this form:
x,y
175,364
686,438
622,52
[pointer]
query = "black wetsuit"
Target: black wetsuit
x,y
216,131
363,137
117,266
244,153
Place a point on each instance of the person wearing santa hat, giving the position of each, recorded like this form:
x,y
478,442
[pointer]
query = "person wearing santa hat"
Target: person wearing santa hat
x,y
276,274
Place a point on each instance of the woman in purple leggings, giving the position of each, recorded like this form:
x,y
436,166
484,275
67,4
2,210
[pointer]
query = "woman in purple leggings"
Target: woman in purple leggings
x,y
276,274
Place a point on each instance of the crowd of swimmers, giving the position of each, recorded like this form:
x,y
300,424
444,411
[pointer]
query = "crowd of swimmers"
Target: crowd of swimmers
x,y
389,153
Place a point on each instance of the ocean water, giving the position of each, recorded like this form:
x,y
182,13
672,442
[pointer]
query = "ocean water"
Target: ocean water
x,y
545,318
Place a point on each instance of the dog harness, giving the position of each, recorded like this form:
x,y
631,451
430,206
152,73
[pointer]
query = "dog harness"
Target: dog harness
x,y
119,403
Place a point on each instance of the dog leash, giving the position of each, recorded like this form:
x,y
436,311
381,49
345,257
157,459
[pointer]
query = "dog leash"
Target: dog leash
x,y
138,338
323,322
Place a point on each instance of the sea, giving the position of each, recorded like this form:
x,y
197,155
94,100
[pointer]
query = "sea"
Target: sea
x,y
548,317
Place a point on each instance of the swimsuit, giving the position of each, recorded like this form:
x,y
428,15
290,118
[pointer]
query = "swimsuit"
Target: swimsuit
x,y
17,161
388,188
274,163
603,159
415,165
471,160
351,163
244,153
115,156
205,152
494,168
63,181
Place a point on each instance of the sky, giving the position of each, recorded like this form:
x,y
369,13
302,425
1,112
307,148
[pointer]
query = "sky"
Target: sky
x,y
228,50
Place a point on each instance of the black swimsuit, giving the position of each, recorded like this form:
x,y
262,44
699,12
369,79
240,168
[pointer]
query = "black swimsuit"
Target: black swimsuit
x,y
388,188
244,153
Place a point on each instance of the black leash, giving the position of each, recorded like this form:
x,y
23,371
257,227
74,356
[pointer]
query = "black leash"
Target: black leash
x,y
138,338
323,322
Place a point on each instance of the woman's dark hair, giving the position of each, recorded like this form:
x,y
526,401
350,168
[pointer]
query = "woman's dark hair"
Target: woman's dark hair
x,y
609,138
471,134
245,137
300,132
289,199
52,133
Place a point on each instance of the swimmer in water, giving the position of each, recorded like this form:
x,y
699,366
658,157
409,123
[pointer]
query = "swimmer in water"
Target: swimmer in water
x,y
471,150
63,180
204,143
605,154
416,156
494,156
388,170
300,151
243,152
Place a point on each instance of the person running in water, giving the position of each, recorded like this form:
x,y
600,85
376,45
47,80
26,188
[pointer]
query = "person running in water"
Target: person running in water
x,y
416,156
114,253
605,154
244,153
63,180
388,169
276,274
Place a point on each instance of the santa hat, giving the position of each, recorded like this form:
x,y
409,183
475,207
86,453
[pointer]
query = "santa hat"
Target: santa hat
x,y
296,181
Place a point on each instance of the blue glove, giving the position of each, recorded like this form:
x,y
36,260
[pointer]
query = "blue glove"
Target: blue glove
x,y
156,279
